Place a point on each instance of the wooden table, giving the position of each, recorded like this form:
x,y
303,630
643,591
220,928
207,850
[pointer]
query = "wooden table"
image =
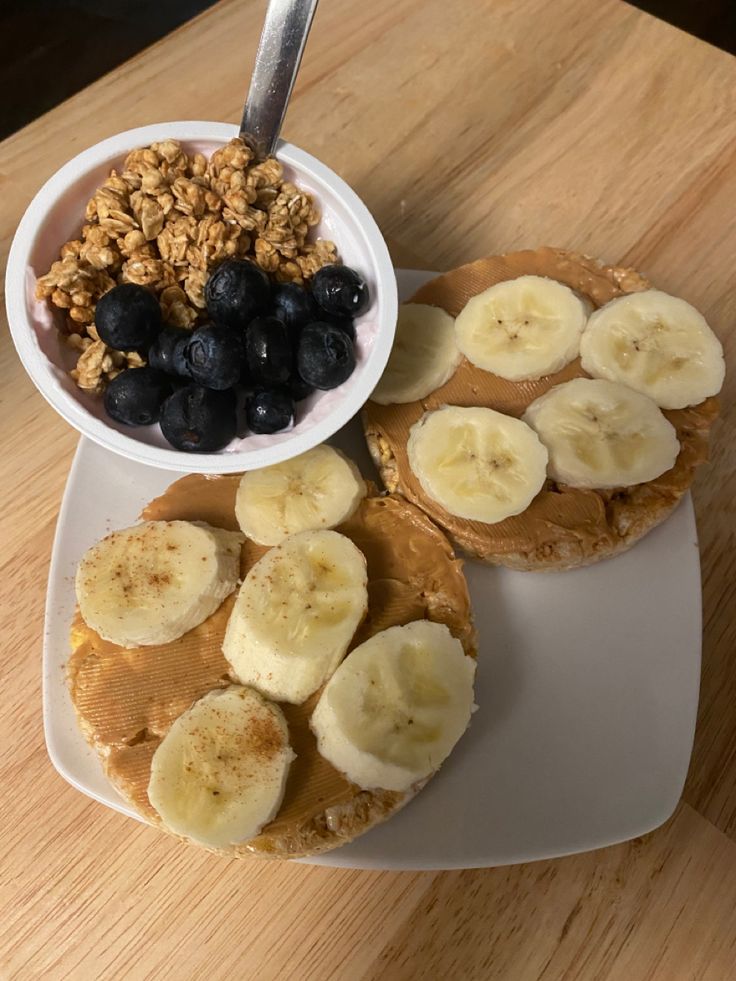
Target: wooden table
x,y
468,128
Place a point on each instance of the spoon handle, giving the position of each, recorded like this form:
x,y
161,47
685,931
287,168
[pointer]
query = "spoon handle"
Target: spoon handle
x,y
280,49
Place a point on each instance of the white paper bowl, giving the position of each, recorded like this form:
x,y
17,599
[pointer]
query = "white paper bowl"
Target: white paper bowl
x,y
56,214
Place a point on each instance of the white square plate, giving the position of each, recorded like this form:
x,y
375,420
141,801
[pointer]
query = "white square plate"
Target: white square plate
x,y
587,687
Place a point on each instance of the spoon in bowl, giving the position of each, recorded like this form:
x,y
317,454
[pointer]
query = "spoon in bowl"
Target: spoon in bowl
x,y
280,49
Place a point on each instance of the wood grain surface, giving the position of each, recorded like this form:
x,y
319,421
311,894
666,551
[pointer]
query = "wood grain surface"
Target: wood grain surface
x,y
468,128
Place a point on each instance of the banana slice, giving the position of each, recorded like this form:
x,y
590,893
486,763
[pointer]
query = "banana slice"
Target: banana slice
x,y
220,771
319,489
423,357
296,614
151,583
477,463
522,328
602,434
657,344
396,706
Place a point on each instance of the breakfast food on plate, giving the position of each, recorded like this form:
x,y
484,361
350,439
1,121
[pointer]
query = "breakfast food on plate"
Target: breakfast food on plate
x,y
602,434
317,489
393,710
622,447
201,272
219,773
477,463
151,583
423,357
196,733
657,344
296,613
522,328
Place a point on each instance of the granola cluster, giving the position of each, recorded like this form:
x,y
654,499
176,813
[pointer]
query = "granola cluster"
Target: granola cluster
x,y
163,222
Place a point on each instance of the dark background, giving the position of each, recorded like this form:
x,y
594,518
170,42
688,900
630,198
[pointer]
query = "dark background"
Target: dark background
x,y
50,49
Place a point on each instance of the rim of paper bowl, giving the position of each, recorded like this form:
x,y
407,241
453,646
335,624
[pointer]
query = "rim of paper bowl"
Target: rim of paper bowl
x,y
317,176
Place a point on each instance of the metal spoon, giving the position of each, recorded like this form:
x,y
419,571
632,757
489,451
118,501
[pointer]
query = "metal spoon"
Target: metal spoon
x,y
279,55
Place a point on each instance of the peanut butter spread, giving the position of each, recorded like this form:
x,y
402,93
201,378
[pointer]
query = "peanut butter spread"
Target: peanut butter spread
x,y
563,526
126,699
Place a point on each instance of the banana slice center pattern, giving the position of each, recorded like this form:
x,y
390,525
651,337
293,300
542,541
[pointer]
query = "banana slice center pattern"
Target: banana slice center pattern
x,y
479,466
599,436
651,349
523,326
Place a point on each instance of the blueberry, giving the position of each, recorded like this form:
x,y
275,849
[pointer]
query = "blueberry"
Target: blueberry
x,y
242,396
268,351
340,290
236,292
345,324
135,396
213,356
198,420
326,355
167,351
269,411
294,305
128,317
299,388
246,380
